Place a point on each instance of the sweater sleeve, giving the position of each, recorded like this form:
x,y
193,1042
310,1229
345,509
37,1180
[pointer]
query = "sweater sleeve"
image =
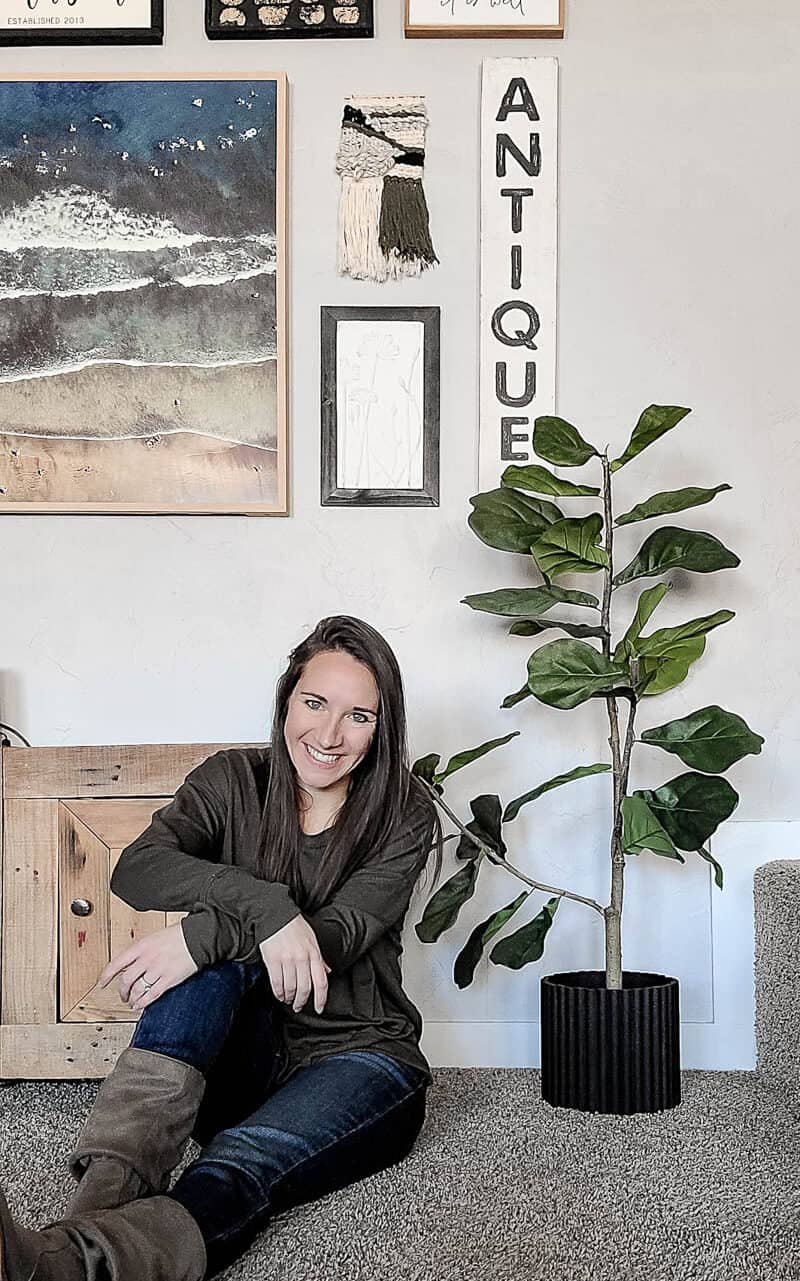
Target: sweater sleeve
x,y
376,896
174,866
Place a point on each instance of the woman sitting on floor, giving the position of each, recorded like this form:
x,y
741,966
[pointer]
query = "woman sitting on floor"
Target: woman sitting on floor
x,y
274,1024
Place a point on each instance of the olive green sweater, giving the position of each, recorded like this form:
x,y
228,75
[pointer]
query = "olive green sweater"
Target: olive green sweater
x,y
199,856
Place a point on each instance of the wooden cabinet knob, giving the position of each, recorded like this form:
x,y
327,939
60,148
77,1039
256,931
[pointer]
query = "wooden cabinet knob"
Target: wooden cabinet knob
x,y
81,907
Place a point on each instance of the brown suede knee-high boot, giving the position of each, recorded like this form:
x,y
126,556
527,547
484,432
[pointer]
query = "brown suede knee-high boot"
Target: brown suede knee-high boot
x,y
136,1132
150,1240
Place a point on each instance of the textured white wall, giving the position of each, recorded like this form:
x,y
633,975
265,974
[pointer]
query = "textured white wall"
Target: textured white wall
x,y
678,283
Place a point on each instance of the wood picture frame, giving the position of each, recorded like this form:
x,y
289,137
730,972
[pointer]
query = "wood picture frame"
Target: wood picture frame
x,y
290,20
380,406
146,250
484,19
41,22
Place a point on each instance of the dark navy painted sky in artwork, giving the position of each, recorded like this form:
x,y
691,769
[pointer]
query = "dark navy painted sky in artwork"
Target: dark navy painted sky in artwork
x,y
141,114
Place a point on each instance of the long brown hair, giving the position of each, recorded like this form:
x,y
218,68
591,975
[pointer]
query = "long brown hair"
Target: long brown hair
x,y
380,786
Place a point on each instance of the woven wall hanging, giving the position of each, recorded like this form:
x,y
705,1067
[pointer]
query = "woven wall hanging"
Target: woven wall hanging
x,y
383,215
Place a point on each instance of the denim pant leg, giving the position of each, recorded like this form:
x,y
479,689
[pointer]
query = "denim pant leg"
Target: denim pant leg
x,y
332,1123
222,1021
191,1021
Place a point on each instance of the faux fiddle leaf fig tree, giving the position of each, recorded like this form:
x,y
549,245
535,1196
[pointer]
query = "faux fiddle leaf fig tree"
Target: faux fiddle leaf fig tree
x,y
589,662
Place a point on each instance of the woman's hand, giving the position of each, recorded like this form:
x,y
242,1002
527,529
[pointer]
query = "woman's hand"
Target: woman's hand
x,y
295,965
162,959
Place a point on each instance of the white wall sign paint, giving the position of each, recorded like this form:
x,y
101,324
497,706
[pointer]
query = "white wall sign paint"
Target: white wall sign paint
x,y
519,168
74,14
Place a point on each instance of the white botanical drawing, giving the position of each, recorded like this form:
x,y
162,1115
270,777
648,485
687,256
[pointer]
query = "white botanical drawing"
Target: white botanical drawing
x,y
380,397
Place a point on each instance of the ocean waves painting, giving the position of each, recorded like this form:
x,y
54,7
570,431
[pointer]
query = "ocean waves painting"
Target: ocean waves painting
x,y
140,290
43,334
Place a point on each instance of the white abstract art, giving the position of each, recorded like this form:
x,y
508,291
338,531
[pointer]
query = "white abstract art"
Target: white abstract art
x,y
379,388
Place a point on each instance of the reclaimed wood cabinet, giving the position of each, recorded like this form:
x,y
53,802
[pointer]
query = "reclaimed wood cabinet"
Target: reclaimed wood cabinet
x,y
66,814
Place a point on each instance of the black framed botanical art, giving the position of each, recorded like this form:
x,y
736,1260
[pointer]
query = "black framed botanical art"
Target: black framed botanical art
x,y
288,19
380,406
26,22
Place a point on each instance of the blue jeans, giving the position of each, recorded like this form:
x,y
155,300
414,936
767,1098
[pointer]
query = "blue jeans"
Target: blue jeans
x,y
266,1147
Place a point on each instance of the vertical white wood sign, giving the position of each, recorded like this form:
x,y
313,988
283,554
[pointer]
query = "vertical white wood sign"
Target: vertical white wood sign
x,y
519,228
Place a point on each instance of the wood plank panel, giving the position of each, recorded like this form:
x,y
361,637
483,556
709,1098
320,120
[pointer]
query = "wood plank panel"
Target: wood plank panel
x,y
118,820
128,925
30,911
102,1003
32,782
144,769
93,834
61,1052
84,940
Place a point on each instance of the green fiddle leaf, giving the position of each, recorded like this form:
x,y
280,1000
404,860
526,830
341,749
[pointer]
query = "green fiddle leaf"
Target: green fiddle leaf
x,y
656,675
472,754
535,626
426,767
672,548
485,825
472,951
581,771
558,442
511,700
664,657
710,739
653,423
691,807
669,502
718,873
542,481
570,547
667,640
510,521
443,908
641,830
647,603
466,848
519,601
527,943
564,673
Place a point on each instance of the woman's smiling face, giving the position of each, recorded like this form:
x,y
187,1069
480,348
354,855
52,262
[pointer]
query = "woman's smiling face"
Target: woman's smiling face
x,y
330,720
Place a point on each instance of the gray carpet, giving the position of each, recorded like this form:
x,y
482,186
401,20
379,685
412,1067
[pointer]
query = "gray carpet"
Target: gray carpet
x,y
502,1187
776,893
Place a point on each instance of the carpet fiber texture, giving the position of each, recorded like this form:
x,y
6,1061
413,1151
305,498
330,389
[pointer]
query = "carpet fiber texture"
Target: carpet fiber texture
x,y
502,1187
776,894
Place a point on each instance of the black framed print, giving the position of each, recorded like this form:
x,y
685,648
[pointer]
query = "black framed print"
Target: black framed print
x,y
288,19
380,406
28,22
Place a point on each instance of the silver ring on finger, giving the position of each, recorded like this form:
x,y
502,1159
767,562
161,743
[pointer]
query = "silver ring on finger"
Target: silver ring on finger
x,y
147,986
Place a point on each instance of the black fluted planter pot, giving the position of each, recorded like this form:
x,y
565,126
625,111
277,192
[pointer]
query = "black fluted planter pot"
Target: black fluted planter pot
x,y
614,1051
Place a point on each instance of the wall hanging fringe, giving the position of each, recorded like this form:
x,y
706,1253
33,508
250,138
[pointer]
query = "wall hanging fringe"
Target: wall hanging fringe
x,y
383,215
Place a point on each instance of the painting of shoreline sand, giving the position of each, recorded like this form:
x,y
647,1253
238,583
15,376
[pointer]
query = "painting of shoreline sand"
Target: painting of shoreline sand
x,y
142,285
